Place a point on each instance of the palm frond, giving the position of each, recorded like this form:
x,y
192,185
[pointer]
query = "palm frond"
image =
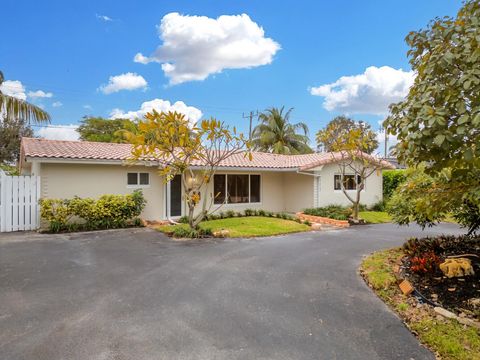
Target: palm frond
x,y
14,108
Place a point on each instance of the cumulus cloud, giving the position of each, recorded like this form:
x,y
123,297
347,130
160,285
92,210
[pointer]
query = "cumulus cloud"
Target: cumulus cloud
x,y
195,47
367,93
88,107
57,104
13,88
192,113
39,94
127,81
60,132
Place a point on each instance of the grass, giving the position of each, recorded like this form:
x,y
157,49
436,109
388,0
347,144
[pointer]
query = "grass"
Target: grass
x,y
375,217
248,226
450,339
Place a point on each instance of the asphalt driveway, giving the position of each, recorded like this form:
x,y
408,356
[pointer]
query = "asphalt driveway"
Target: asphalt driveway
x,y
134,294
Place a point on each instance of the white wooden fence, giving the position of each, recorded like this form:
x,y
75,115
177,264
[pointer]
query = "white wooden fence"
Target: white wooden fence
x,y
19,209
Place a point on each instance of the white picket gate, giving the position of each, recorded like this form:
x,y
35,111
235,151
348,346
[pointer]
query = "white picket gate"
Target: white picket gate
x,y
19,209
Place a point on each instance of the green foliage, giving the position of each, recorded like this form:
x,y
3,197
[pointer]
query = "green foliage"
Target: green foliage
x,y
336,212
107,212
438,124
9,169
276,134
11,133
378,206
14,109
105,130
186,232
342,127
391,180
443,245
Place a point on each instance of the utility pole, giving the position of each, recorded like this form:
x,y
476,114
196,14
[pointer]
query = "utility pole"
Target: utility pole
x,y
386,141
250,116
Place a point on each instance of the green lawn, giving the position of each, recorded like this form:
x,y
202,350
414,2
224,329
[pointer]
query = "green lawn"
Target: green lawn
x,y
375,217
249,226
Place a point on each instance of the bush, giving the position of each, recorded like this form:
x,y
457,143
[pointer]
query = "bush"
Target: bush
x,y
57,212
425,263
184,232
250,212
183,220
379,206
230,214
261,213
109,211
391,180
336,212
443,245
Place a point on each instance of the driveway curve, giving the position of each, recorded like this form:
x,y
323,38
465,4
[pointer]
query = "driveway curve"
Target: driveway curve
x,y
134,294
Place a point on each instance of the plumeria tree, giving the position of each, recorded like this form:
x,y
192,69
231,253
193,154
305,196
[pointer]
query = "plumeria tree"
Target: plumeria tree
x,y
354,165
192,151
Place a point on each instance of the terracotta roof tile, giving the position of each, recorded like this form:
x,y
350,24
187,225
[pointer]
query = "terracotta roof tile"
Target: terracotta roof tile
x,y
86,150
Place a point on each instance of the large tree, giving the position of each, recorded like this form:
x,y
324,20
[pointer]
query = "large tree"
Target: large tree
x,y
178,146
438,123
341,126
276,134
11,133
16,109
104,130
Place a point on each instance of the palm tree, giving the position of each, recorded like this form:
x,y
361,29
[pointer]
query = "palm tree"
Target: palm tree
x,y
276,134
13,108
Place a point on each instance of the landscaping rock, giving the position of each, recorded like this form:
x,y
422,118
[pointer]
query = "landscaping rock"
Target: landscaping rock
x,y
221,233
457,267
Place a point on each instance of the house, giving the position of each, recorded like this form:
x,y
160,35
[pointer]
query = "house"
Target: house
x,y
271,182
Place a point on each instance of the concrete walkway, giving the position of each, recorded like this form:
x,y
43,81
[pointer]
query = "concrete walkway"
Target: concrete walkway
x,y
134,294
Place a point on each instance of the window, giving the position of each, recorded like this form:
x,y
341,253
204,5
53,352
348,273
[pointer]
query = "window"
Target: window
x,y
236,189
348,182
138,179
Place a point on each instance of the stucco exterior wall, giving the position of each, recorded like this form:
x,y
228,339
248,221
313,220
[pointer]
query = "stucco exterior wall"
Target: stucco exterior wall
x,y
69,180
327,195
298,191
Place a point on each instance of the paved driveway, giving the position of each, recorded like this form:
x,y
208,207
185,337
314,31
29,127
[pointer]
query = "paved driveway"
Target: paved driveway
x,y
134,294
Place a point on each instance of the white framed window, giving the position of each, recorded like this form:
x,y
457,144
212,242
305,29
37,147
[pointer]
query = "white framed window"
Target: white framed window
x,y
138,179
237,188
348,182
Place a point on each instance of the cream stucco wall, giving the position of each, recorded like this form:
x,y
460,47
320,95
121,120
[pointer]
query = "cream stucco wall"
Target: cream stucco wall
x,y
298,191
327,195
69,180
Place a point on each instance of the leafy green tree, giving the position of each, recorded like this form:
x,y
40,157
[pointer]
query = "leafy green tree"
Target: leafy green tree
x,y
171,139
276,134
341,126
11,133
15,109
438,124
104,130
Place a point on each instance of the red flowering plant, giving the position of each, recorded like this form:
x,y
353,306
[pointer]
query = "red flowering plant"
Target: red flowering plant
x,y
425,263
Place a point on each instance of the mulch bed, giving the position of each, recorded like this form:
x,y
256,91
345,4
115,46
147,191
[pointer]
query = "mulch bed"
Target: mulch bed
x,y
460,295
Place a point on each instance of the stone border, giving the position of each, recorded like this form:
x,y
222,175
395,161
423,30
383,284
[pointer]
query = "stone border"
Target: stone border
x,y
323,220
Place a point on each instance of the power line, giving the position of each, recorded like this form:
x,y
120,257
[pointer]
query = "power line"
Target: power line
x,y
250,116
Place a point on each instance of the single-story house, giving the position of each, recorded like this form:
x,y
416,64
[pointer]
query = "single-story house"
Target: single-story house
x,y
279,183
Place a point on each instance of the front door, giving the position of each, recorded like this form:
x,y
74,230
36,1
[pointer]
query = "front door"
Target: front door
x,y
176,196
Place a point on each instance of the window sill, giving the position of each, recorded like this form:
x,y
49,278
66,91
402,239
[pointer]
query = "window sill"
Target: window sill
x,y
138,186
239,204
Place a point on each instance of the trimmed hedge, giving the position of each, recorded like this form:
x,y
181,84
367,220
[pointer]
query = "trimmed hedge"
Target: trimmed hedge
x,y
107,212
336,212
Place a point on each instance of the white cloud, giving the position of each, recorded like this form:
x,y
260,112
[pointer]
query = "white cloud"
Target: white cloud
x,y
192,113
88,107
57,104
103,17
195,47
13,88
367,93
39,94
60,132
127,81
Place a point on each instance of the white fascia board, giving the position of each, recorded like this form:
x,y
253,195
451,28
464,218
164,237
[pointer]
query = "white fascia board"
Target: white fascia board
x,y
239,168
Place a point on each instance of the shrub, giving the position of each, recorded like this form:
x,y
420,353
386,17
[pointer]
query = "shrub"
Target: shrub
x,y
308,223
443,245
57,212
184,232
183,220
109,211
230,214
379,206
336,212
261,213
391,180
425,263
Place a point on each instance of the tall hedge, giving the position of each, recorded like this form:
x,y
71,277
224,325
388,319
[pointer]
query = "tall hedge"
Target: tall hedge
x,y
391,180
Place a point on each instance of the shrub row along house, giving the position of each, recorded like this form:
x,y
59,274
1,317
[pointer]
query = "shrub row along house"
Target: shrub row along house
x,y
278,183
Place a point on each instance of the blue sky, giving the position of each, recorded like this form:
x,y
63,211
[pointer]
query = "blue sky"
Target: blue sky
x,y
70,49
